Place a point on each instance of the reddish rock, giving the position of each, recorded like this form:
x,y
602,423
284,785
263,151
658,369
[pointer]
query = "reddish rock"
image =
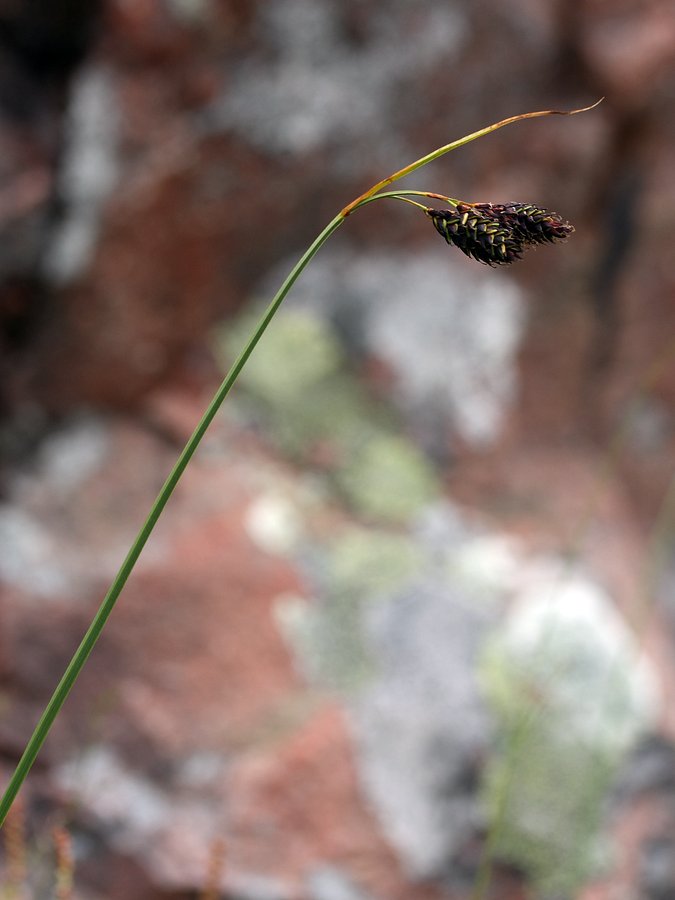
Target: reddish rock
x,y
201,209
298,806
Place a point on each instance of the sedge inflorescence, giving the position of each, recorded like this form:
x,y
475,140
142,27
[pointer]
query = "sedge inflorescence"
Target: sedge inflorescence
x,y
498,233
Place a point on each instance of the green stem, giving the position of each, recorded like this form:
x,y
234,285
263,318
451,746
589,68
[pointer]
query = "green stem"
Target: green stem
x,y
393,196
403,195
89,640
446,148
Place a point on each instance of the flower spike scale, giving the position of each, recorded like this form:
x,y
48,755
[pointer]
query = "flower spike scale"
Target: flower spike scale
x,y
498,234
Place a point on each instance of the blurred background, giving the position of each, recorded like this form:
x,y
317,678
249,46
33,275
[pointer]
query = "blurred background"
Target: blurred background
x,y
407,627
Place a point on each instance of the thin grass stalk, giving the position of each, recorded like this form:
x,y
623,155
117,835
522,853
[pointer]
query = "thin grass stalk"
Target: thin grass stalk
x,y
65,865
16,853
214,873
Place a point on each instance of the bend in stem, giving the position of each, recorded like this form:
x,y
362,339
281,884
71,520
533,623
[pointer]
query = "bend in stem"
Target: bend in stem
x,y
460,142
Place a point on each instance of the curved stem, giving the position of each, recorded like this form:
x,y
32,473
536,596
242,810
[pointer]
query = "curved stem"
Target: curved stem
x,y
394,196
87,644
402,195
430,157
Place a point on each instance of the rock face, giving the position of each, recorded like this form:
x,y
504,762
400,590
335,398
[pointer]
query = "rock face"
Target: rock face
x,y
565,645
453,364
291,679
294,671
418,770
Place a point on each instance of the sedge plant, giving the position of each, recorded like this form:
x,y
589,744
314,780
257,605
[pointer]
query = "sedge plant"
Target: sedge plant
x,y
492,233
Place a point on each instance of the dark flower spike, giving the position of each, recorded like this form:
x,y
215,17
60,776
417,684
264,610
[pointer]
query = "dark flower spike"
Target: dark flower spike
x,y
478,234
531,224
498,234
